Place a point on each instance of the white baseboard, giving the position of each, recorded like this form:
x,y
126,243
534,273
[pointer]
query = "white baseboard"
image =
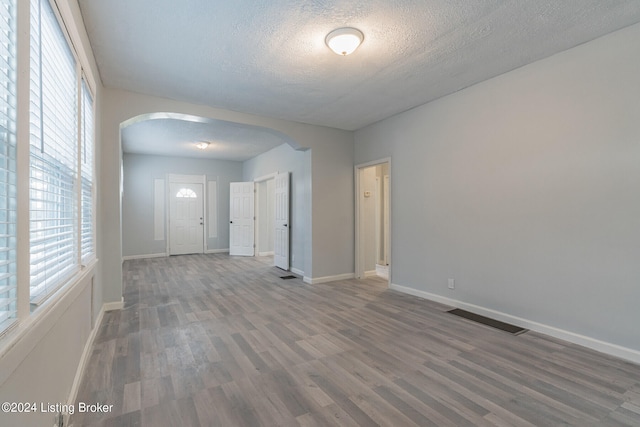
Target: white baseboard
x,y
163,255
216,251
86,353
111,306
370,273
143,256
585,341
382,271
297,271
268,253
326,279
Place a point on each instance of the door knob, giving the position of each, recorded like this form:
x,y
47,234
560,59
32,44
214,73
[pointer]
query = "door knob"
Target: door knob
x,y
230,222
285,225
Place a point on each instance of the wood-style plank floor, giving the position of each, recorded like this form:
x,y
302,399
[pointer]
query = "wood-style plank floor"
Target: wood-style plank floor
x,y
213,340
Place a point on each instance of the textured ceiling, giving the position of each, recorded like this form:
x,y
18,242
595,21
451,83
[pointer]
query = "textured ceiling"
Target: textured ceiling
x,y
268,57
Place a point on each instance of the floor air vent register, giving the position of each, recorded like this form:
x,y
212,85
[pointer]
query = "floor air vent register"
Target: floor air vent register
x,y
512,329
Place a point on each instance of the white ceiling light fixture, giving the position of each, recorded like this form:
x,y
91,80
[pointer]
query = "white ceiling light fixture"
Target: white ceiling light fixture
x,y
202,145
344,41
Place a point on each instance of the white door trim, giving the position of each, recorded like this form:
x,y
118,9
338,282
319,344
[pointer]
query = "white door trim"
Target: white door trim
x,y
260,179
266,177
282,221
359,238
186,179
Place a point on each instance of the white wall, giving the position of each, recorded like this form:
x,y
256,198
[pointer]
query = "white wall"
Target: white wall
x,y
525,190
285,159
140,171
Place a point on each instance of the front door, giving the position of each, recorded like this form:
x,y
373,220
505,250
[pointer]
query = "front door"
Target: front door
x,y
186,225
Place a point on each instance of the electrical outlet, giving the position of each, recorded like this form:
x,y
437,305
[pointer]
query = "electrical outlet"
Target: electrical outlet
x,y
451,284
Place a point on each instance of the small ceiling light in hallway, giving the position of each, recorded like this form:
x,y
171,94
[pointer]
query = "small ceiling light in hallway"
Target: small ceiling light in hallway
x,y
344,41
202,145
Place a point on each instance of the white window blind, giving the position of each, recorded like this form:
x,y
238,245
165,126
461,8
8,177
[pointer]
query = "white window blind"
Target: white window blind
x,y
53,154
8,283
86,164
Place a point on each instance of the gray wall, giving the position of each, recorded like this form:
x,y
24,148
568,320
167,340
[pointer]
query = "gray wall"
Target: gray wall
x,y
332,205
140,171
525,189
285,159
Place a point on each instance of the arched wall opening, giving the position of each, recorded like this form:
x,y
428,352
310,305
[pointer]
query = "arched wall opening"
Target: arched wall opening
x,y
160,149
328,186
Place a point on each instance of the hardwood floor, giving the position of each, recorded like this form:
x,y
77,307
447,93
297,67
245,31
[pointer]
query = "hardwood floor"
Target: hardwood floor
x,y
213,340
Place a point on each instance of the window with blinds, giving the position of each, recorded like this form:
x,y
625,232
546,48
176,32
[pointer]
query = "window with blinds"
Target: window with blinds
x,y
8,283
86,165
53,155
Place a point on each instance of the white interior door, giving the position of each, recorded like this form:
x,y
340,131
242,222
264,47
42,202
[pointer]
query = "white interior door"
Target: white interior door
x,y
281,236
241,217
186,223
265,211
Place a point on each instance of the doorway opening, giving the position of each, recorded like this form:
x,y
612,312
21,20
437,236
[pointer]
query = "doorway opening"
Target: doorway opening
x,y
265,214
259,218
373,210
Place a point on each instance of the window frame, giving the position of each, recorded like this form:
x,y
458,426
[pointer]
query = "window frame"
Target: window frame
x,y
55,120
86,258
9,284
30,321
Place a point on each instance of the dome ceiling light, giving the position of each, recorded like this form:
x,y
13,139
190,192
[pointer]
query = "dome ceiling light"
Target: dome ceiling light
x,y
344,41
202,145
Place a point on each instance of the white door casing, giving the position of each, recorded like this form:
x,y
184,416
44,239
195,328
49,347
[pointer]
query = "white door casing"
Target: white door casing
x,y
378,221
241,218
385,223
186,219
360,240
282,226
